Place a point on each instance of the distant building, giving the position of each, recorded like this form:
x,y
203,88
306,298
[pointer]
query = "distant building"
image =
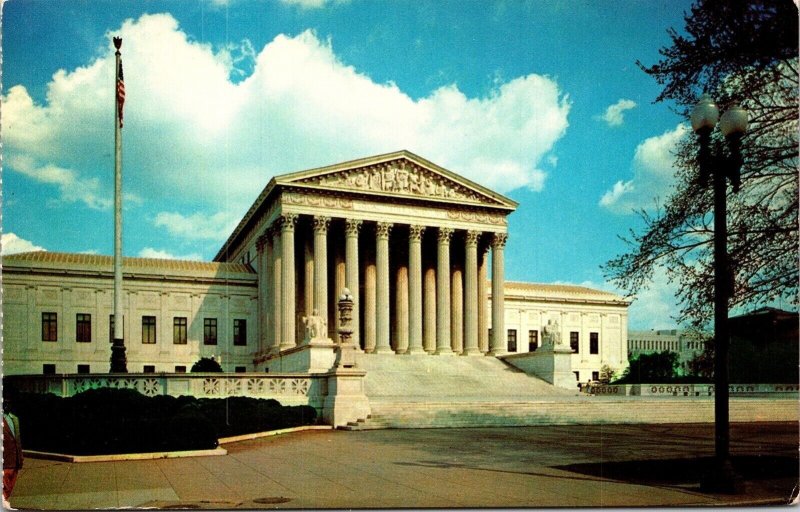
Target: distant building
x,y
764,347
673,340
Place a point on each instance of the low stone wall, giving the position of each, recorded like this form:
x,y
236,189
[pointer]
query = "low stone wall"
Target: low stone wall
x,y
288,389
692,390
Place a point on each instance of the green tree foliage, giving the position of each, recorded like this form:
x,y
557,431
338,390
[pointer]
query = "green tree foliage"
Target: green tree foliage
x,y
746,53
655,368
206,364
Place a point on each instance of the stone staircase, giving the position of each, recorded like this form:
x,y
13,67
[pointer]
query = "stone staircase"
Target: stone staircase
x,y
421,391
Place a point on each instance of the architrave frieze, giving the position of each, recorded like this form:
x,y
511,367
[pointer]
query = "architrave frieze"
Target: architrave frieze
x,y
397,210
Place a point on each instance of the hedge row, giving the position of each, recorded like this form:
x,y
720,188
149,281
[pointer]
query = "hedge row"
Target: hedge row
x,y
107,421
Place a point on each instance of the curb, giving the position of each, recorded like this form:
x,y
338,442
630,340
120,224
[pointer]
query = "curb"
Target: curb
x,y
61,457
270,433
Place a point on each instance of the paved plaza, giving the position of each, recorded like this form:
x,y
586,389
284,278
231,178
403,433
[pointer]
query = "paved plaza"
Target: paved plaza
x,y
545,466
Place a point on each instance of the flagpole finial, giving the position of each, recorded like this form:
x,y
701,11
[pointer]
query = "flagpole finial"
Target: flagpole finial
x,y
117,42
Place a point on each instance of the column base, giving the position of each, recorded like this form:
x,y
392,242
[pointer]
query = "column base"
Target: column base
x,y
496,353
471,352
415,351
444,352
383,350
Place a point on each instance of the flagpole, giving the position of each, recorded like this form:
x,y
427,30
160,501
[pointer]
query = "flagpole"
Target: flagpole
x,y
118,359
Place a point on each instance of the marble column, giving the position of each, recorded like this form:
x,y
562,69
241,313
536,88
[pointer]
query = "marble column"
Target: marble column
x,y
288,289
321,265
457,310
429,313
498,341
483,298
351,229
269,302
339,276
261,246
277,278
471,298
415,289
401,310
370,327
382,303
308,276
443,293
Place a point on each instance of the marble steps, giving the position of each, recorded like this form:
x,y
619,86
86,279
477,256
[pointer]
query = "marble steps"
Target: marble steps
x,y
569,411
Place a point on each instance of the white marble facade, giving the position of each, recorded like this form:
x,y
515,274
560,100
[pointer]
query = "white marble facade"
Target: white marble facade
x,y
420,248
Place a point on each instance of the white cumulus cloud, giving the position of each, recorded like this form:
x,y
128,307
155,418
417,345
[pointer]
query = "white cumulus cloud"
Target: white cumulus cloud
x,y
149,252
614,114
197,226
10,243
199,130
653,174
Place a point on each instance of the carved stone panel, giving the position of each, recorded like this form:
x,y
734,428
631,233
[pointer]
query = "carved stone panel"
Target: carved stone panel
x,y
15,295
399,177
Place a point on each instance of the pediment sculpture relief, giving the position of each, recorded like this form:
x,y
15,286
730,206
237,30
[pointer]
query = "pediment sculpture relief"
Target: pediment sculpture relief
x,y
398,177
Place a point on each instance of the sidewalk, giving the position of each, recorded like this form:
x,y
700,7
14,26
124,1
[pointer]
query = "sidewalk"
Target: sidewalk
x,y
567,466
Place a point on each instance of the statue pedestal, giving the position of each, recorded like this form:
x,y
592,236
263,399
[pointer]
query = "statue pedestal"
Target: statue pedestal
x,y
317,356
552,364
346,401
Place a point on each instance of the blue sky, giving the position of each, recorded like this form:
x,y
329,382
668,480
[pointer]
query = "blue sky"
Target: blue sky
x,y
540,100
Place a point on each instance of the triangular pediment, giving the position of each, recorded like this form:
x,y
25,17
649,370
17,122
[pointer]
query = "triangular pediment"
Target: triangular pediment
x,y
400,174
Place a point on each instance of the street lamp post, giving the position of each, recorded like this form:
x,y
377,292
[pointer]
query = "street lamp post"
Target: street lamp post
x,y
722,167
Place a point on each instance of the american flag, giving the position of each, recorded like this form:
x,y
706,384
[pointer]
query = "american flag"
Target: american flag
x,y
120,92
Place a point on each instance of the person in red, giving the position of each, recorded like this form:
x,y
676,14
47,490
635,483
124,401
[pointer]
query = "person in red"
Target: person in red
x,y
12,452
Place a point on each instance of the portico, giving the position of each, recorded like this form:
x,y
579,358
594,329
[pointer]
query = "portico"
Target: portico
x,y
411,241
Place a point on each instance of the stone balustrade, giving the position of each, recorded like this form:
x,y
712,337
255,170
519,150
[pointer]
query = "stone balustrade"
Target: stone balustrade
x,y
288,389
686,389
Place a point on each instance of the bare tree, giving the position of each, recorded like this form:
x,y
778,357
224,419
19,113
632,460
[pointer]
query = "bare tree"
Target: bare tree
x,y
746,53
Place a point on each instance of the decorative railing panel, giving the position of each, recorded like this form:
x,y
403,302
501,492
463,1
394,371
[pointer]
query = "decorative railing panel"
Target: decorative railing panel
x,y
694,390
289,389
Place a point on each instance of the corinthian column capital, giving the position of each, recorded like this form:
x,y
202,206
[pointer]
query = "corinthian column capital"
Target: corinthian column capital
x,y
352,227
445,234
472,238
499,240
382,230
415,233
321,224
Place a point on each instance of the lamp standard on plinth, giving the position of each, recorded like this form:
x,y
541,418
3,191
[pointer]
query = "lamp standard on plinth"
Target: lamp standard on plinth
x,y
721,167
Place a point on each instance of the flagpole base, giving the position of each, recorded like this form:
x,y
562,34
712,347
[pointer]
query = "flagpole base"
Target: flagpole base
x,y
119,362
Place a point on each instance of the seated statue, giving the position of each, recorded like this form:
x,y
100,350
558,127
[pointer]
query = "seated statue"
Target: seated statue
x,y
316,327
551,335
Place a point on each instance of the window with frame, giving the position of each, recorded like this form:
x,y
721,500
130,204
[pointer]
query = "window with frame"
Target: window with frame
x,y
180,369
149,368
83,328
111,327
148,330
594,343
240,369
239,332
48,369
595,376
83,368
533,340
49,326
209,331
574,341
511,338
179,334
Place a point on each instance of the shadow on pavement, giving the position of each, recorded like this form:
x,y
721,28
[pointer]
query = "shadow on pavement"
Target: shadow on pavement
x,y
774,471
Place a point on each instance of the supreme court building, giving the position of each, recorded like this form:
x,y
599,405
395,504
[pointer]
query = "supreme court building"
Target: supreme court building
x,y
420,248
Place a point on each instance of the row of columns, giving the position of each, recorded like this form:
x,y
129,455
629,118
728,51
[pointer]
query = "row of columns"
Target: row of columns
x,y
432,309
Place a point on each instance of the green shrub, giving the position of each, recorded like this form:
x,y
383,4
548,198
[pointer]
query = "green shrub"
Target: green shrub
x,y
206,364
106,420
